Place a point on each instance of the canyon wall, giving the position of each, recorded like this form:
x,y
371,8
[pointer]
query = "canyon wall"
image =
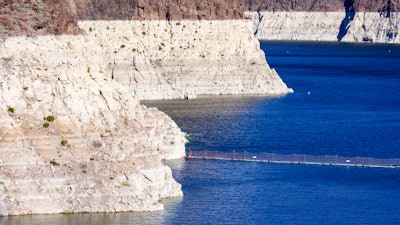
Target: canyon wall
x,y
184,59
327,26
73,136
74,140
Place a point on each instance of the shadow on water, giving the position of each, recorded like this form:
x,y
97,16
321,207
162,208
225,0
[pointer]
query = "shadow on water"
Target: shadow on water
x,y
350,14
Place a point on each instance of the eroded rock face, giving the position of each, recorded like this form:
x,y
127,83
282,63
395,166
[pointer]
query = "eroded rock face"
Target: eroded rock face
x,y
160,10
185,59
73,136
322,6
327,26
37,17
72,139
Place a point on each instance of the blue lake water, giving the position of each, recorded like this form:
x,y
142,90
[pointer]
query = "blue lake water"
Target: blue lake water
x,y
346,102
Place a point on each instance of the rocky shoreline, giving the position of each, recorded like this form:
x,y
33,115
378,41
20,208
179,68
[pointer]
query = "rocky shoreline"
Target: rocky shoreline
x,y
73,135
369,27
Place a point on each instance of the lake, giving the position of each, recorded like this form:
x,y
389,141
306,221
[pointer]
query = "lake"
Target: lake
x,y
346,102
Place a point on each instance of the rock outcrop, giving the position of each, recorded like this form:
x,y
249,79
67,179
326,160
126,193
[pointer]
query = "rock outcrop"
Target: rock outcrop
x,y
327,26
73,136
37,17
74,140
184,59
160,10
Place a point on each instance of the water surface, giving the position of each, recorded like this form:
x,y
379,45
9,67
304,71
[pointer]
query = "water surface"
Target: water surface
x,y
346,102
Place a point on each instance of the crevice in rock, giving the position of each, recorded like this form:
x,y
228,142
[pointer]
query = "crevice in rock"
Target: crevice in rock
x,y
259,19
350,14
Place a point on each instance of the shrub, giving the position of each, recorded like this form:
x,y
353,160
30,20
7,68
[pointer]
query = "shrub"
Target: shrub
x,y
64,142
50,118
46,124
10,110
54,163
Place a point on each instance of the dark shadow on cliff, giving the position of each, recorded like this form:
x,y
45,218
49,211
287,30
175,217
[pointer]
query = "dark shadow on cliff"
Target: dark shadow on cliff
x,y
350,14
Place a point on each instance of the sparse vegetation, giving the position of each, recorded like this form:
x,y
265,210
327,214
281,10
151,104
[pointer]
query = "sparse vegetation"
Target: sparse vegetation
x,y
64,143
50,119
10,110
46,124
54,163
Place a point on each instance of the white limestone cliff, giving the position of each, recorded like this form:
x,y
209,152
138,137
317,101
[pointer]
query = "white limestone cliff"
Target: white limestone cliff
x,y
73,135
102,152
326,26
178,59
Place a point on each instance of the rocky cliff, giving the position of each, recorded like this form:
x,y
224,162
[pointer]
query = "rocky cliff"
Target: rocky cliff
x,y
327,26
160,10
74,140
73,136
322,6
184,59
37,17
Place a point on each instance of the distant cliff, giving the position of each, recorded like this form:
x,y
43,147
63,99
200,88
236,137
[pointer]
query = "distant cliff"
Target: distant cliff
x,y
323,5
348,20
37,17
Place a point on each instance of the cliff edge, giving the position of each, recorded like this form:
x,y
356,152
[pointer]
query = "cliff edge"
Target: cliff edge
x,y
73,136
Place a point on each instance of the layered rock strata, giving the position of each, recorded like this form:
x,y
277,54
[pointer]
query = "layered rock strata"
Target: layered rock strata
x,y
327,26
73,136
184,59
74,140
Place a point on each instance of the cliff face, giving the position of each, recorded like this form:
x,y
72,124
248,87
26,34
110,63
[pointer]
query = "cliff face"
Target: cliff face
x,y
73,136
160,10
74,140
37,17
322,6
181,59
327,26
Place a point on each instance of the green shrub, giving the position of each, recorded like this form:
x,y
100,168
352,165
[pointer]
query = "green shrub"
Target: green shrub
x,y
10,110
50,118
46,124
54,163
64,142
